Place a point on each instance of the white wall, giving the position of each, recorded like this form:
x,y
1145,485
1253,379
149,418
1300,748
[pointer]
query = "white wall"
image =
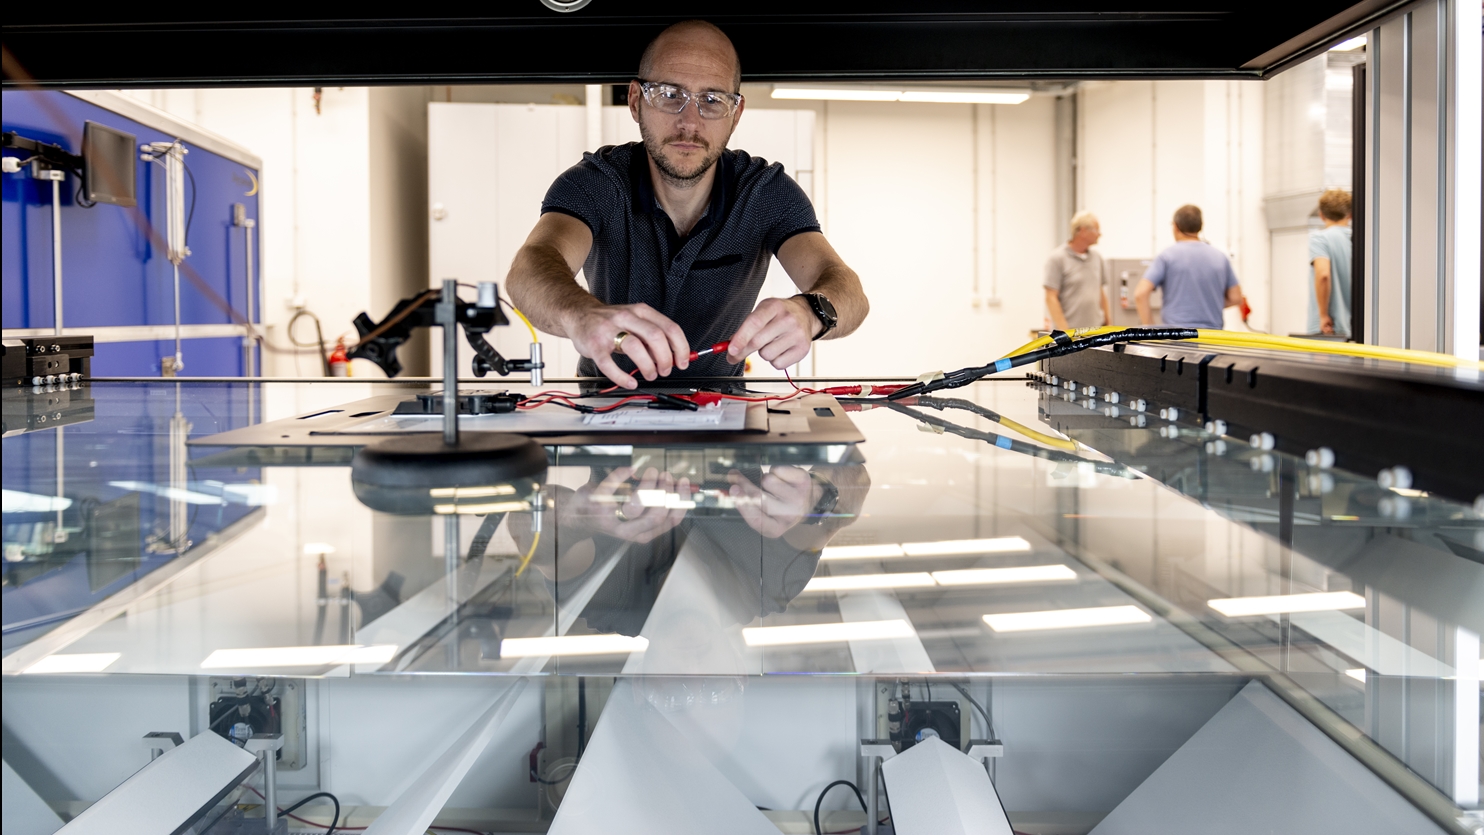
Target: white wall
x,y
1148,147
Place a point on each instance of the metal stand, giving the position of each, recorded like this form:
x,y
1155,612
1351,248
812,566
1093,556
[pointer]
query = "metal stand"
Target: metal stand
x,y
395,474
56,176
265,747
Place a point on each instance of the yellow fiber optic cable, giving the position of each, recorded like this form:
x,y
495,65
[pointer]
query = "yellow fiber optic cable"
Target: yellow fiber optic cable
x,y
535,540
530,327
1049,440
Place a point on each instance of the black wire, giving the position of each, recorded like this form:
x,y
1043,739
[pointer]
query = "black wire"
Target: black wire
x,y
335,821
988,723
319,334
191,212
483,536
826,790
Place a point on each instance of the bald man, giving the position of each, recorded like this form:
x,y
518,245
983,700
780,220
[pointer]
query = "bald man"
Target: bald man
x,y
675,235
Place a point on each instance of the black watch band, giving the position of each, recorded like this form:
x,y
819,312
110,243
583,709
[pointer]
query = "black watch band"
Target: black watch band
x,y
829,499
823,309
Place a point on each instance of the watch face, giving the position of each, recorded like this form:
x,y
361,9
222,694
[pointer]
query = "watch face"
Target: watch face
x,y
825,306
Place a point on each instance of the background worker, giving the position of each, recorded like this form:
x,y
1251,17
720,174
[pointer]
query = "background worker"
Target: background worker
x,y
1074,279
1197,278
675,235
1329,263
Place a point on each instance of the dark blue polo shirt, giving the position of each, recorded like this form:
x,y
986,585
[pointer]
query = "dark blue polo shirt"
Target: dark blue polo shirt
x,y
707,281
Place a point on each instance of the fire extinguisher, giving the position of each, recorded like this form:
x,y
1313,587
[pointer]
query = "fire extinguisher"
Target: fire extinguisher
x,y
339,362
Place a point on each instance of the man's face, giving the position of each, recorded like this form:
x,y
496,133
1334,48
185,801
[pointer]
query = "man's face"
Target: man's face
x,y
684,145
1087,235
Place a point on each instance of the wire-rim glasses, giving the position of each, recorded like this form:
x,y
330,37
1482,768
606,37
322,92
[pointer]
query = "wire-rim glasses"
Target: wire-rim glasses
x,y
668,98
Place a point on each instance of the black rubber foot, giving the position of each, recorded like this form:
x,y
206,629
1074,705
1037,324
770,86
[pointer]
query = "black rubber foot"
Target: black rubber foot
x,y
413,474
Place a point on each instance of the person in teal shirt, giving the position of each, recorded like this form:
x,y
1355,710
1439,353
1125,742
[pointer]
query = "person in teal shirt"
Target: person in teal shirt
x,y
1329,266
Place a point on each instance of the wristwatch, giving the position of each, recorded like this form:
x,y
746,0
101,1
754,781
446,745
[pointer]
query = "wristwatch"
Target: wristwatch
x,y
829,499
822,309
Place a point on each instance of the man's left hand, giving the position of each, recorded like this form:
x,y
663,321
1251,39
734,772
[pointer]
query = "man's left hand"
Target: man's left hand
x,y
779,331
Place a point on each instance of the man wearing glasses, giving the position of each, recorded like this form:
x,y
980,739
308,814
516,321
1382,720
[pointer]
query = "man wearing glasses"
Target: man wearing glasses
x,y
675,235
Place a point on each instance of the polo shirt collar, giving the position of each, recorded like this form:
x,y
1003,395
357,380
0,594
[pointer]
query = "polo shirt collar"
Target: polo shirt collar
x,y
644,198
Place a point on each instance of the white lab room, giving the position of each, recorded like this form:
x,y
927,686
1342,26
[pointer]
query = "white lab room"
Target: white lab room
x,y
593,417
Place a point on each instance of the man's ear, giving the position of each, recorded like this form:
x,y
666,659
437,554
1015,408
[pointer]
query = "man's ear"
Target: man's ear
x,y
634,95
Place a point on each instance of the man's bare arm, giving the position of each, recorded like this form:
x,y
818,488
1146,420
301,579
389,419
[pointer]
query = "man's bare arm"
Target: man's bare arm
x,y
780,330
1234,296
1321,294
543,284
1053,306
1141,299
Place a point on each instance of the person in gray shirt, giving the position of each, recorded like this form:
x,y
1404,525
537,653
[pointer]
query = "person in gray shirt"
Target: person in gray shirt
x,y
1197,278
1329,259
1074,278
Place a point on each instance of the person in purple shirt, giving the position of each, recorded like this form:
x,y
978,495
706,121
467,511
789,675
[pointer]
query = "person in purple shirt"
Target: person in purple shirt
x,y
1197,278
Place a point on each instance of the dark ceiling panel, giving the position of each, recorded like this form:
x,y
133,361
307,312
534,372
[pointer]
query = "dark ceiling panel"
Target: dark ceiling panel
x,y
600,43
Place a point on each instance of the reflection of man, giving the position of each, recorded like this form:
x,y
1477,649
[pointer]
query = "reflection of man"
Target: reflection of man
x,y
675,235
1074,278
1197,278
772,536
1329,261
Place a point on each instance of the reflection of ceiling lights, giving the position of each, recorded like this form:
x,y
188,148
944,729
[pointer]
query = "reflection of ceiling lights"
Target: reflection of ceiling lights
x,y
994,576
248,658
17,501
78,662
1067,618
1236,607
870,581
572,645
998,545
962,577
481,509
471,492
943,95
174,494
825,633
314,549
1357,42
1358,674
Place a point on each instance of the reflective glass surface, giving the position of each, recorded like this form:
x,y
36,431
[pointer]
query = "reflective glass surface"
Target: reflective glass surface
x,y
1008,531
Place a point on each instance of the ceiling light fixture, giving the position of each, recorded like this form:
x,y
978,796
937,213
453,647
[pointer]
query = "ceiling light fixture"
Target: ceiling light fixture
x,y
551,645
942,95
1067,618
77,662
995,576
862,552
826,633
1237,607
998,545
1354,43
250,658
905,580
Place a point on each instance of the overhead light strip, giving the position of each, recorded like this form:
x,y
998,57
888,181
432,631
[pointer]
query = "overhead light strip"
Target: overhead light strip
x,y
1067,618
939,95
76,662
826,633
1237,607
943,548
329,655
555,645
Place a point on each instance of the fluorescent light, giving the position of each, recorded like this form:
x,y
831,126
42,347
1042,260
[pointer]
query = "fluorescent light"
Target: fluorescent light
x,y
174,494
481,509
247,658
836,93
913,579
314,549
1236,607
1067,618
374,654
17,501
997,545
78,662
862,552
1358,674
471,492
944,95
966,96
572,645
825,633
1346,46
990,576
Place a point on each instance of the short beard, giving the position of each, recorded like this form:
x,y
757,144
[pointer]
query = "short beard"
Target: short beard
x,y
672,175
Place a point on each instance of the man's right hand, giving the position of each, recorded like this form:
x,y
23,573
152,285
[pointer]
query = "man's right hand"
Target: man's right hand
x,y
1327,325
655,344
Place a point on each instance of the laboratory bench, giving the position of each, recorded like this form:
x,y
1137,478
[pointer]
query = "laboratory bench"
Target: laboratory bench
x,y
1129,623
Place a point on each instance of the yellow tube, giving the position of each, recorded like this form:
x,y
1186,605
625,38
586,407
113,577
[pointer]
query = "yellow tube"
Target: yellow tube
x,y
535,540
1049,440
522,317
1241,339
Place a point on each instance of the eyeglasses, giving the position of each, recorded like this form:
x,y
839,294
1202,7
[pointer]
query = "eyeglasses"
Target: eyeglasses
x,y
667,98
